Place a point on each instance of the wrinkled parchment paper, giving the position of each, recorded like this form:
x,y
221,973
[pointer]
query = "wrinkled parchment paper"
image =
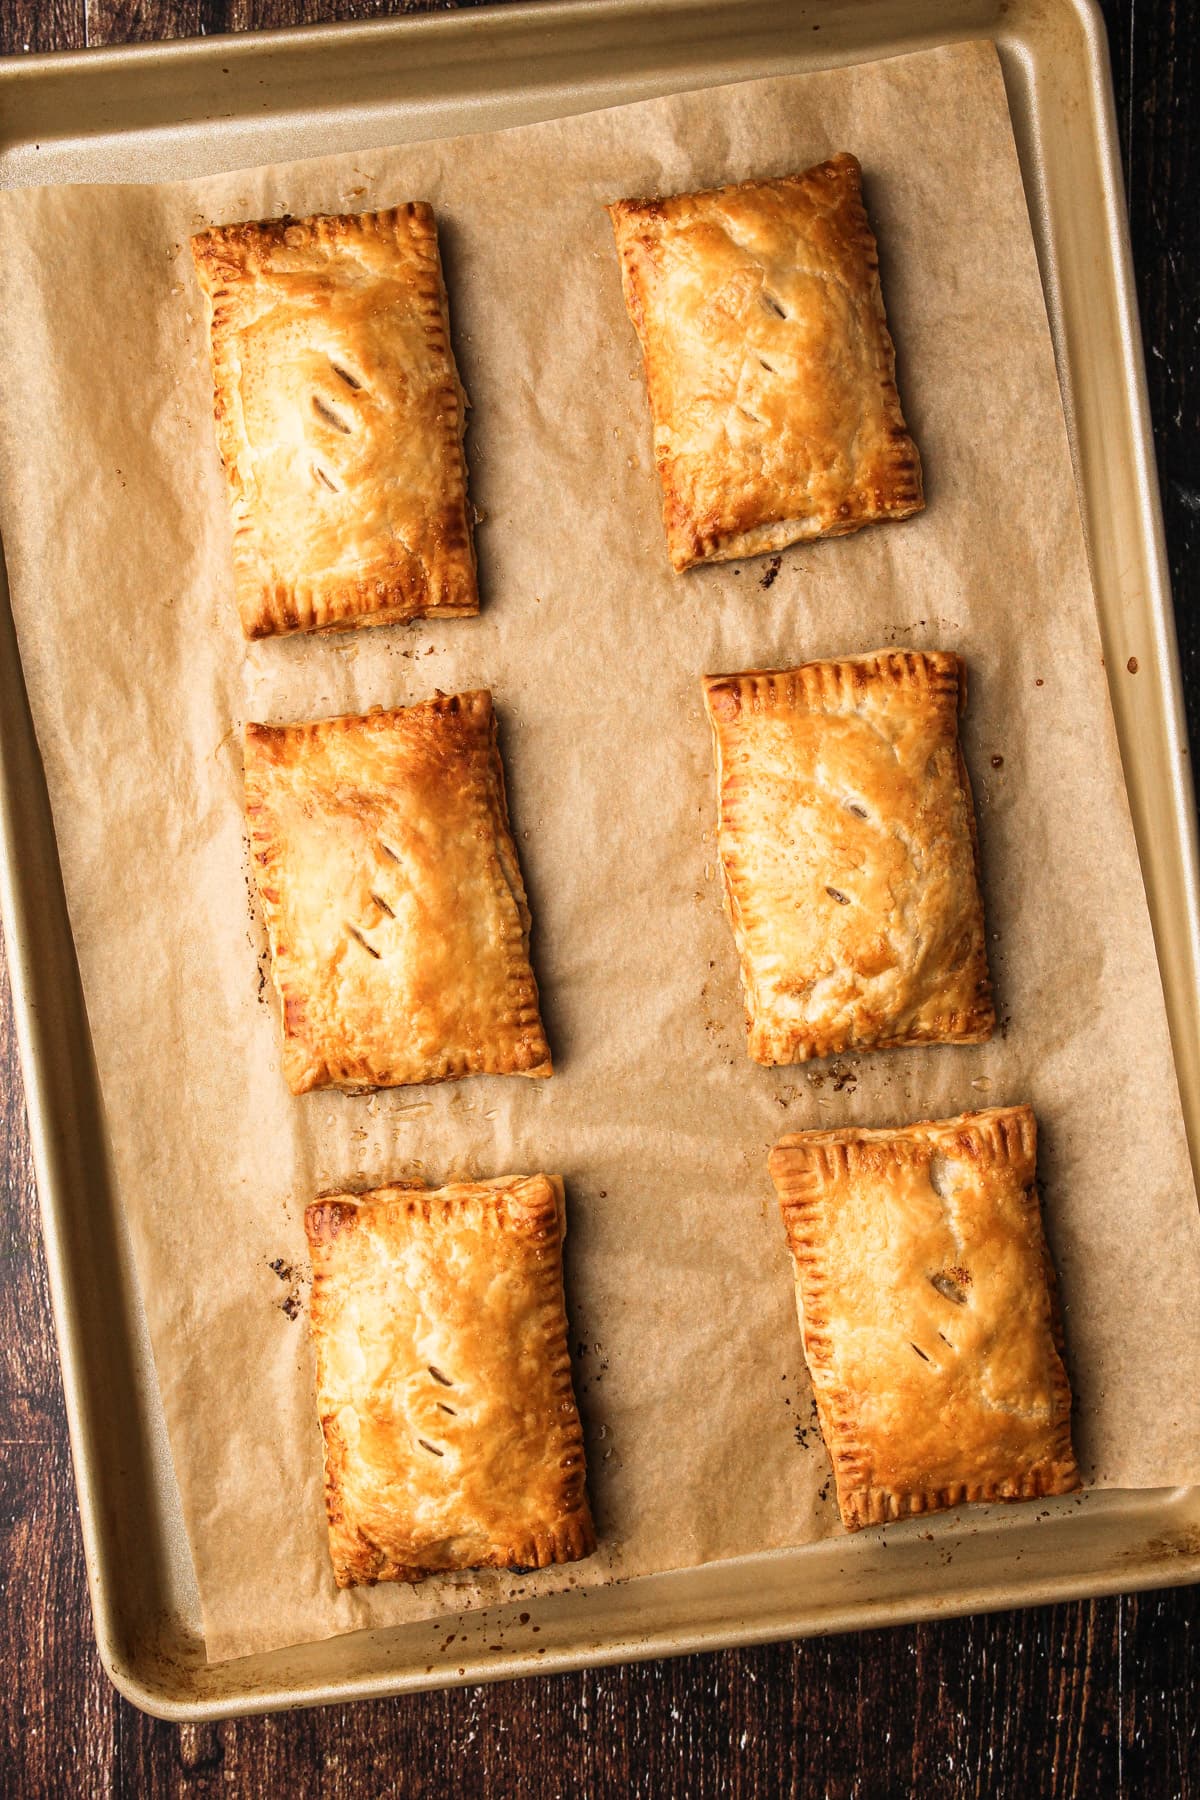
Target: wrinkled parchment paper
x,y
688,1359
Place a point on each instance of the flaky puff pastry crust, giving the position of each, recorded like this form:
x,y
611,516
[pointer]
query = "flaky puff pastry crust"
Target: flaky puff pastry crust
x,y
928,1305
846,836
393,899
452,1439
339,419
770,369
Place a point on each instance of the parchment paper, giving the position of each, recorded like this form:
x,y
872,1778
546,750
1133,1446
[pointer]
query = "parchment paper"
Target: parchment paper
x,y
688,1364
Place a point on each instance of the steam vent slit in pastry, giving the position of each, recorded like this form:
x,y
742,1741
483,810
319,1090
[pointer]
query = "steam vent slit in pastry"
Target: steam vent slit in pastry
x,y
339,417
394,905
928,1305
452,1439
770,370
846,837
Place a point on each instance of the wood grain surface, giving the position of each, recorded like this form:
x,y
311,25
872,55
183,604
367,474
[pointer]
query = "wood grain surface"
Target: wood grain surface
x,y
1089,1700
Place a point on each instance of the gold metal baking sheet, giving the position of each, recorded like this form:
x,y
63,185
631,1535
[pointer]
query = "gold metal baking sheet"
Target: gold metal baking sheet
x,y
158,112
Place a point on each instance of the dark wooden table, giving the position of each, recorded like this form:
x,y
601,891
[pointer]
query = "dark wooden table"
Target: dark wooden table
x,y
1093,1699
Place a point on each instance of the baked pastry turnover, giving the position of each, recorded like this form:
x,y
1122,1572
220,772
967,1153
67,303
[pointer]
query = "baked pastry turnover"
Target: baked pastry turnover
x,y
339,420
847,843
927,1302
452,1439
770,370
394,904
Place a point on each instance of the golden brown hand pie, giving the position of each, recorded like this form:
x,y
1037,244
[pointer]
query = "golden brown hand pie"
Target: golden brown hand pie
x,y
339,420
452,1439
847,844
771,374
394,904
927,1302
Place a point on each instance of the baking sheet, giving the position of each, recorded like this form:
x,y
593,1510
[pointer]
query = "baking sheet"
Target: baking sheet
x,y
689,1365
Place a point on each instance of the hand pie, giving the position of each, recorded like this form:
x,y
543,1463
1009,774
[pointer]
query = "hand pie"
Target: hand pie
x,y
927,1302
847,845
771,374
394,904
452,1440
339,420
